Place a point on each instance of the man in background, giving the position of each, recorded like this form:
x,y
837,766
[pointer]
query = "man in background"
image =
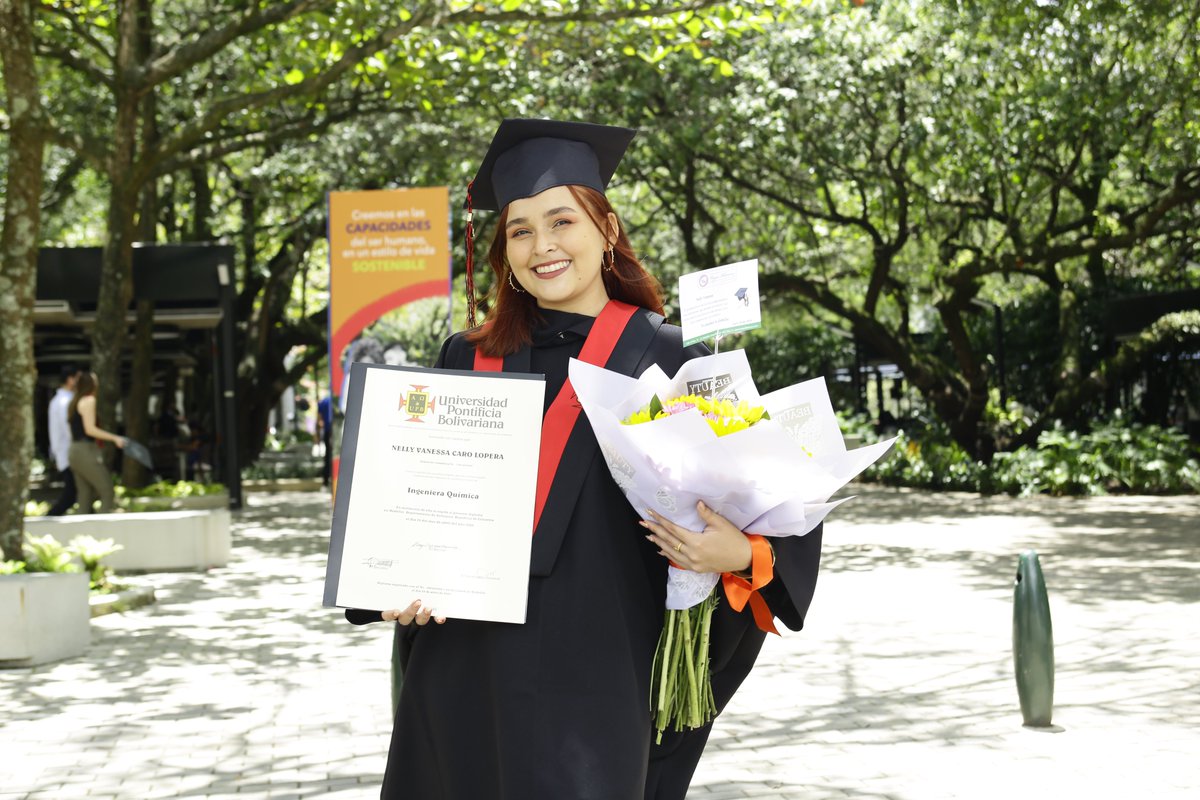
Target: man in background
x,y
60,439
325,423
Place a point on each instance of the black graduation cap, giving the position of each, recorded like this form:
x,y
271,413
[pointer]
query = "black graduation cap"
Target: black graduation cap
x,y
528,156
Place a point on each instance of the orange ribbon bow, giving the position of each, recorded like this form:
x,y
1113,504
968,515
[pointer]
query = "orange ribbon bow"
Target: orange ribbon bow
x,y
739,591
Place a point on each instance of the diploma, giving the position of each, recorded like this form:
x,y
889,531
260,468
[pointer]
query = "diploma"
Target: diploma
x,y
435,493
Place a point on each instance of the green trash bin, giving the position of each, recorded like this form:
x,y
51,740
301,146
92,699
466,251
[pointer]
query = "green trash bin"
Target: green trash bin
x,y
1033,643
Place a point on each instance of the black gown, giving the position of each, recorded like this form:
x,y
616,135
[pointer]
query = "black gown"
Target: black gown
x,y
558,708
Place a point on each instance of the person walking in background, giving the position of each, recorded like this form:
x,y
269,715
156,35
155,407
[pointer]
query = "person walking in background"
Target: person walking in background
x,y
60,439
325,422
92,478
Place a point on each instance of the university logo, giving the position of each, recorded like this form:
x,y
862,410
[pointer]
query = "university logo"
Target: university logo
x,y
416,403
716,386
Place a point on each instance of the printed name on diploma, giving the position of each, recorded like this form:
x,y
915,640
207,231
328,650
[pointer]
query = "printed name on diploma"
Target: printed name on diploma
x,y
437,451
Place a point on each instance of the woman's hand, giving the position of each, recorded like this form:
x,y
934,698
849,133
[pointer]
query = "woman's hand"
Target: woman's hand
x,y
119,441
414,613
720,547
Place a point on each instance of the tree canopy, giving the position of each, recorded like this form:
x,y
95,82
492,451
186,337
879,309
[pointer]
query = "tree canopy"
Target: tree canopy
x,y
917,179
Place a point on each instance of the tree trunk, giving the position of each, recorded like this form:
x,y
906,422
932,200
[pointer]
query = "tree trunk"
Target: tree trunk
x,y
137,402
116,270
19,241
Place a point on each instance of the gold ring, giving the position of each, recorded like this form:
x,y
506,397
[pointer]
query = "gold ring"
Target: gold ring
x,y
678,546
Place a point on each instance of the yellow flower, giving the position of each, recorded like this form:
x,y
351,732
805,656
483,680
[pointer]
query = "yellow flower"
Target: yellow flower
x,y
723,416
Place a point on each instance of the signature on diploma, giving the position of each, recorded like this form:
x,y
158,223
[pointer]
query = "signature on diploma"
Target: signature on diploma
x,y
432,547
378,563
482,575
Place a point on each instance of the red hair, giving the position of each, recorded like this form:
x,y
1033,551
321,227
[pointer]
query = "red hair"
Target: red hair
x,y
512,315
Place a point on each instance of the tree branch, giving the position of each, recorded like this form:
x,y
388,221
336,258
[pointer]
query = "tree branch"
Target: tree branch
x,y
64,185
78,63
190,135
192,51
92,150
235,141
643,11
82,31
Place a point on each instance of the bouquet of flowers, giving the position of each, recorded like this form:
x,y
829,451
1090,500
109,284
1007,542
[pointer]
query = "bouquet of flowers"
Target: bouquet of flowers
x,y
768,464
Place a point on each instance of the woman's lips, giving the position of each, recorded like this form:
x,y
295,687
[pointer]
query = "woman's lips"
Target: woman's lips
x,y
551,269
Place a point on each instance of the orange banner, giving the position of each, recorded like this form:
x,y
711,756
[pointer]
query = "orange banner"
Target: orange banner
x,y
386,249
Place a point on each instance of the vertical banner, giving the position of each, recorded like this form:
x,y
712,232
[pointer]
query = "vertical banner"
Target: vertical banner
x,y
387,249
389,283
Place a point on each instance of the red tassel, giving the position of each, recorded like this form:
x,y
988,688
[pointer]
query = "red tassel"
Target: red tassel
x,y
470,259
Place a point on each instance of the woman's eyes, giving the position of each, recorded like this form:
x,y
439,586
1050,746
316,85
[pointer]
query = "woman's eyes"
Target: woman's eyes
x,y
522,232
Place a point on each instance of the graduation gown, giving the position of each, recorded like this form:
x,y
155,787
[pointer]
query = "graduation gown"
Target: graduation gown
x,y
558,708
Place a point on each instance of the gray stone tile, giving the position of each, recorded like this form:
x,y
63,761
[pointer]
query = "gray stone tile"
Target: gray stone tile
x,y
236,684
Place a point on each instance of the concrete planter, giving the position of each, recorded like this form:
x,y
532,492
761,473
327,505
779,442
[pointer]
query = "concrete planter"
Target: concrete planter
x,y
44,617
160,541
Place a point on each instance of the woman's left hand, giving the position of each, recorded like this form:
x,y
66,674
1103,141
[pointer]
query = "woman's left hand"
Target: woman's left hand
x,y
720,547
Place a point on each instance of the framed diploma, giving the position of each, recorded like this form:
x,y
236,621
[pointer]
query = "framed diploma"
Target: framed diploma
x,y
435,494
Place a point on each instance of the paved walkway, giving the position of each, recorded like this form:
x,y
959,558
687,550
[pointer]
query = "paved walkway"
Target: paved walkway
x,y
236,684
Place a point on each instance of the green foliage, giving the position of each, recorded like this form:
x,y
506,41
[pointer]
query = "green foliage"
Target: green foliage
x,y
164,495
35,508
278,470
1114,457
91,551
791,348
47,554
888,164
413,334
932,461
175,489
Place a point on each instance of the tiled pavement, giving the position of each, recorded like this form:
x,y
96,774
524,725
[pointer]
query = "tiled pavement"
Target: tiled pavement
x,y
236,684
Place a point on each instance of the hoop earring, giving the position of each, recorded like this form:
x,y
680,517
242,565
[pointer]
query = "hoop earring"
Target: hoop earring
x,y
514,286
612,258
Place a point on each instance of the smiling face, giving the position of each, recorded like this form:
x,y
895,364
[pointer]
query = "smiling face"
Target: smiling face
x,y
556,252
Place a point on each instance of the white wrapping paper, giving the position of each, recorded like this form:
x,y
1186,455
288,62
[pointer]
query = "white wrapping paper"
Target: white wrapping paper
x,y
774,478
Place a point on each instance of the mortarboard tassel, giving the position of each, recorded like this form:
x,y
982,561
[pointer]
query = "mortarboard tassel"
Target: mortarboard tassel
x,y
470,259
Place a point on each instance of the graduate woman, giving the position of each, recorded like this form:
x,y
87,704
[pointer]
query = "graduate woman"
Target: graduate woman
x,y
558,708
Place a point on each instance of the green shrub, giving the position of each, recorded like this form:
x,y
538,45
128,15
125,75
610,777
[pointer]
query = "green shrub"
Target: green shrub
x,y
11,567
929,462
174,489
35,509
47,554
276,470
1113,457
91,551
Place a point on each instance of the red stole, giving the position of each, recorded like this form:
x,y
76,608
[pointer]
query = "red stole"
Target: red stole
x,y
564,411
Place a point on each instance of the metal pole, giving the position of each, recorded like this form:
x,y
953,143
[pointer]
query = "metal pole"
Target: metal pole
x,y
227,380
1033,643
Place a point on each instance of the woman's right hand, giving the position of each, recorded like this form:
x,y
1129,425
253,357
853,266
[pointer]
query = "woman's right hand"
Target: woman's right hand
x,y
414,613
119,441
